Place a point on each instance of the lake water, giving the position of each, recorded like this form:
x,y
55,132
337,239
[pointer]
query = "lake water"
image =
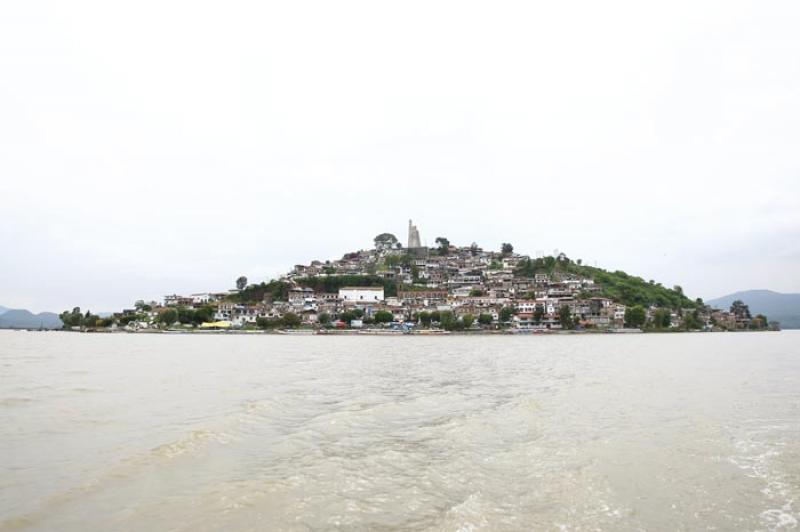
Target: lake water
x,y
610,432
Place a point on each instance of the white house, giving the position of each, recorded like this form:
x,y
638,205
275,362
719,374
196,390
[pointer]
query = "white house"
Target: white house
x,y
361,294
202,298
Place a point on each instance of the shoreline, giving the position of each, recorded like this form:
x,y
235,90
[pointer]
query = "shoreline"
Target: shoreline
x,y
381,332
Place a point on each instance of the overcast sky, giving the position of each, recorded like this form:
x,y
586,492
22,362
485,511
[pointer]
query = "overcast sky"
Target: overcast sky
x,y
154,147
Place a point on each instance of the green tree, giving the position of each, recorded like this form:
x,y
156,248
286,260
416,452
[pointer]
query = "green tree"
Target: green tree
x,y
204,314
90,320
424,318
168,317
241,282
506,249
505,314
436,316
255,293
525,268
740,310
263,322
385,241
449,322
485,318
662,318
348,316
692,321
538,313
383,316
72,318
635,316
185,315
759,322
565,317
324,319
291,320
444,245
468,320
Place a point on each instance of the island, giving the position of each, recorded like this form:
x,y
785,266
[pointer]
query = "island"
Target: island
x,y
416,289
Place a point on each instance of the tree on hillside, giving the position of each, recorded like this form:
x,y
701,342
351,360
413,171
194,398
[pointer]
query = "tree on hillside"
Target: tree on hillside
x,y
565,317
444,245
526,268
635,316
324,318
485,319
385,241
506,249
740,310
241,282
505,314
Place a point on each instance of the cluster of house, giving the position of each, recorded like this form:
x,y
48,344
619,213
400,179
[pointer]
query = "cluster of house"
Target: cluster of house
x,y
460,280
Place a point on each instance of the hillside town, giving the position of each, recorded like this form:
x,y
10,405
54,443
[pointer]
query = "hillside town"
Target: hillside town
x,y
415,288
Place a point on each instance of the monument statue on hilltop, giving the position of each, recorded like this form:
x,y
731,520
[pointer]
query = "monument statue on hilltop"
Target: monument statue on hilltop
x,y
413,236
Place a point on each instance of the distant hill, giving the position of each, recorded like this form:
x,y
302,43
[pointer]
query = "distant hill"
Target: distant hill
x,y
2,309
24,319
784,308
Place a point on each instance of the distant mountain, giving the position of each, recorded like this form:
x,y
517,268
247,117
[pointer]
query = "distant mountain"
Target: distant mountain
x,y
24,319
2,309
784,308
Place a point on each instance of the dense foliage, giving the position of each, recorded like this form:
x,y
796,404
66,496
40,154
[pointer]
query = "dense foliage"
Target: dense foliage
x,y
617,285
76,319
255,293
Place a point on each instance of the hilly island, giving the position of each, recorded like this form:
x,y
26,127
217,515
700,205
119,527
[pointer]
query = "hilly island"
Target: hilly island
x,y
416,289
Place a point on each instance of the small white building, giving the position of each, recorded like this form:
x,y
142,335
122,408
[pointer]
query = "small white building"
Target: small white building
x,y
361,294
202,298
172,300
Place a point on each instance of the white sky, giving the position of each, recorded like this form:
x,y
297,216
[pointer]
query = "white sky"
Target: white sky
x,y
154,147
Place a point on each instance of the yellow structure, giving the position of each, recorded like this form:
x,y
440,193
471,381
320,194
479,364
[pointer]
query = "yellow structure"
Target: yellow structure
x,y
216,325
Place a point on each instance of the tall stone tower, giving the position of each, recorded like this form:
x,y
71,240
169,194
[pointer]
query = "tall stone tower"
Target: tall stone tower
x,y
413,236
